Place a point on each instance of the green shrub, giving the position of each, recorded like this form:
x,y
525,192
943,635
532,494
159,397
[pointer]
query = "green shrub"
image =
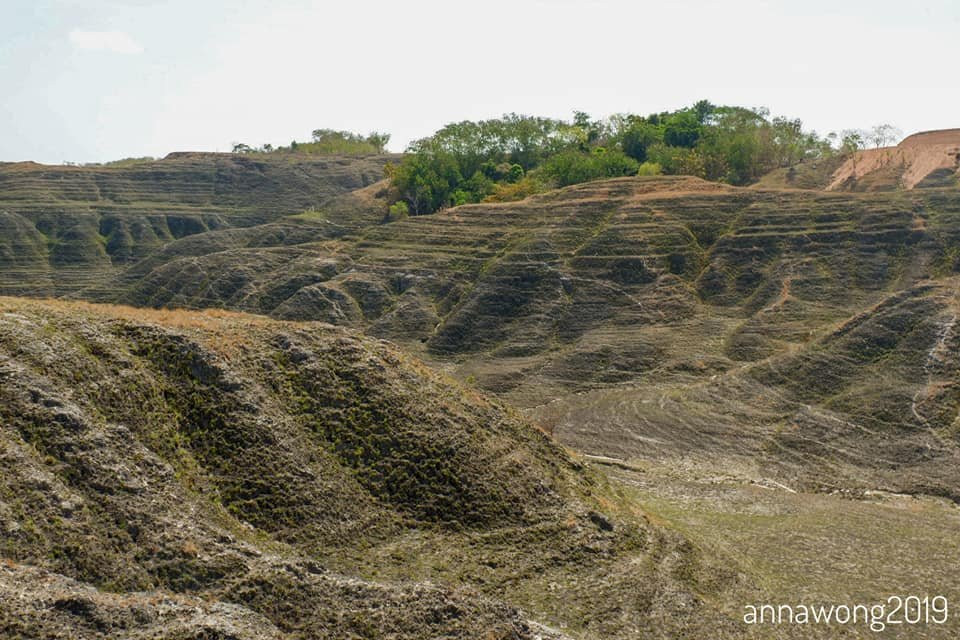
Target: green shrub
x,y
512,191
573,167
677,160
649,169
398,211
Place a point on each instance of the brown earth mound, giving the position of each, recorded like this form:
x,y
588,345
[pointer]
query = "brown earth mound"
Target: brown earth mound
x,y
929,158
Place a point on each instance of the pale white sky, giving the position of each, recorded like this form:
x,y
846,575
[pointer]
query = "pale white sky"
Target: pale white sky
x,y
93,80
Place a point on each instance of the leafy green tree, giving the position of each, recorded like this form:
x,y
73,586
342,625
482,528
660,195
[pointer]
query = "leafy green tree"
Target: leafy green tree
x,y
704,109
732,149
852,140
590,131
378,140
426,181
682,129
639,136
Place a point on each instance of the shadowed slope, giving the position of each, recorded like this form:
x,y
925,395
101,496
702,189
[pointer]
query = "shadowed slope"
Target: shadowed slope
x,y
561,282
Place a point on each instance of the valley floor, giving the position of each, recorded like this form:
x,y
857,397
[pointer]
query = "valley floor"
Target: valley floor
x,y
809,548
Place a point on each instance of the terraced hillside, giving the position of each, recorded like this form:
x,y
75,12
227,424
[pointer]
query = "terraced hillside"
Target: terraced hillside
x,y
194,475
63,227
620,283
769,375
872,404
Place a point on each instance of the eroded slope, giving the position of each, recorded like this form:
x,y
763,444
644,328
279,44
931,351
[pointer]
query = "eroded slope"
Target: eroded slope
x,y
183,474
871,405
629,285
63,227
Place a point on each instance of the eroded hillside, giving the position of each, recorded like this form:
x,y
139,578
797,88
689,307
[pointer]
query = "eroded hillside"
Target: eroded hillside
x,y
185,475
749,365
930,159
62,227
927,159
638,283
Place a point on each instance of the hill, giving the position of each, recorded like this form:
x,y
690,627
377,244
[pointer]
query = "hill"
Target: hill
x,y
930,159
218,475
616,283
768,375
62,227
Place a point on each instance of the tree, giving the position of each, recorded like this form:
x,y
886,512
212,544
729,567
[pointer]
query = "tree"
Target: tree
x,y
592,130
737,147
638,137
704,109
320,135
331,141
426,181
852,140
883,135
378,140
682,129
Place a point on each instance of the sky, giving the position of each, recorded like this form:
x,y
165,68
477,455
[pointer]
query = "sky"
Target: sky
x,y
97,80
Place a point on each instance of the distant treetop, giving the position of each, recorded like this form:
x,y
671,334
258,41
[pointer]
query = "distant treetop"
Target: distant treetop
x,y
326,142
